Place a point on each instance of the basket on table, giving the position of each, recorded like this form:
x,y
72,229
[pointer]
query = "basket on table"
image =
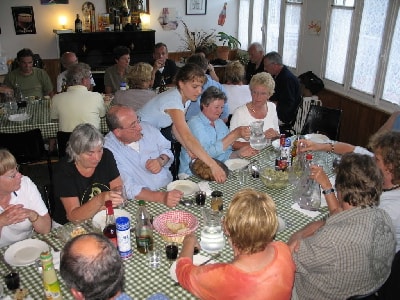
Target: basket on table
x,y
175,216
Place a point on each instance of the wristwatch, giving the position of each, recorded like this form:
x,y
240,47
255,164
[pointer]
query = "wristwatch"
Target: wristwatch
x,y
328,191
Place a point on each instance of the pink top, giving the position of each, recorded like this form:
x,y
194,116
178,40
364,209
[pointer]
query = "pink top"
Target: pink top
x,y
225,281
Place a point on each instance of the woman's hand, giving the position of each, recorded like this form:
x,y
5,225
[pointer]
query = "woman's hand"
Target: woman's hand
x,y
243,132
304,145
114,196
13,214
218,173
247,151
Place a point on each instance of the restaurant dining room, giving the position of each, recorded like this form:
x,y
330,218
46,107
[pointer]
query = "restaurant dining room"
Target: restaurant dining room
x,y
139,161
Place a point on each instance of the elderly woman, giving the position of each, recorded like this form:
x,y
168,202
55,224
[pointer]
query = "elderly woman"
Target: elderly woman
x,y
386,148
169,108
261,88
21,206
261,268
117,73
212,132
85,181
350,253
236,92
139,80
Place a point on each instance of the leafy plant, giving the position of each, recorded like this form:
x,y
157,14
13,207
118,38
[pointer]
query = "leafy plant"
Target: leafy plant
x,y
194,39
228,40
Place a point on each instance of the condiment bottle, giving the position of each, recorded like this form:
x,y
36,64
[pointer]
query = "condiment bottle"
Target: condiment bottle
x,y
110,229
51,284
122,86
124,237
144,229
217,203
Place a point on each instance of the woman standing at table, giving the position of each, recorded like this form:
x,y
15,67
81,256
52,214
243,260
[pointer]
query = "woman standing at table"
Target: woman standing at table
x,y
117,73
262,87
261,268
21,206
84,182
169,108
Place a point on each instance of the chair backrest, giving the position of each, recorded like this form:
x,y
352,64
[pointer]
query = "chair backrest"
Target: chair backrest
x,y
323,120
303,112
62,140
27,147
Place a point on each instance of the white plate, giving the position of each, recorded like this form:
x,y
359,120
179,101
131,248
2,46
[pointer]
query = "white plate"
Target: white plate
x,y
236,163
24,253
317,138
19,117
197,260
187,187
99,219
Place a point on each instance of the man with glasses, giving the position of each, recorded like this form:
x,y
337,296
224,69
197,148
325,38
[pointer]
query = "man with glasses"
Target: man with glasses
x,y
287,96
142,154
78,104
32,81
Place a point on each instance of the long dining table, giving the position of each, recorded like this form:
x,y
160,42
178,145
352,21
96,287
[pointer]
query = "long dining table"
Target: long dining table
x,y
39,117
141,281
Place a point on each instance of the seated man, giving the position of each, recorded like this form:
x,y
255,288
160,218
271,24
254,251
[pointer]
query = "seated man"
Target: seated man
x,y
68,59
77,105
349,254
256,61
32,81
142,154
92,268
162,66
212,133
194,107
287,96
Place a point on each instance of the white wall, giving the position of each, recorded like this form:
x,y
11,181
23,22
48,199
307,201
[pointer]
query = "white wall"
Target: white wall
x,y
46,19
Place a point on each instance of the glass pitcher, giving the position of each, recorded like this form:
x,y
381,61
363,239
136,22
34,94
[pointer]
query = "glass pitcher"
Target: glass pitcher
x,y
257,137
212,238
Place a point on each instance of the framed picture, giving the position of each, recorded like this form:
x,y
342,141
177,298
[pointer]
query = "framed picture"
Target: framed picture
x,y
196,7
46,2
24,20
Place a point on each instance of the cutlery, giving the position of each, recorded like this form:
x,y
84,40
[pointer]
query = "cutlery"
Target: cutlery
x,y
210,259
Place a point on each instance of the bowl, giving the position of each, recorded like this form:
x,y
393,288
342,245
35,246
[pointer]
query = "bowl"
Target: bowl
x,y
175,216
70,231
274,179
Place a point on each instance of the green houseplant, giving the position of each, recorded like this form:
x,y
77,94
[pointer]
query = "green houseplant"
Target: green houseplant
x,y
229,42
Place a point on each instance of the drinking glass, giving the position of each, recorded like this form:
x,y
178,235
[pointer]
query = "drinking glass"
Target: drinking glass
x,y
171,250
243,175
254,169
121,190
12,281
154,258
200,197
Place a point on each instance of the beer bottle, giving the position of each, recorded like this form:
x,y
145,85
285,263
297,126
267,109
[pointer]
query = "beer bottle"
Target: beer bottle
x,y
144,230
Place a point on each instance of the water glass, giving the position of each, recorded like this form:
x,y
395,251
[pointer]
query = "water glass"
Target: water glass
x,y
200,198
243,175
254,169
121,190
171,251
12,281
154,258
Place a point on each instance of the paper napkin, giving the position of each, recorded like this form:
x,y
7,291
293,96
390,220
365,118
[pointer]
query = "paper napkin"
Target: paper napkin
x,y
205,187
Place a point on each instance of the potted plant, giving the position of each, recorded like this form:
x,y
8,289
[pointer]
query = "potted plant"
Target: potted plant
x,y
194,39
229,42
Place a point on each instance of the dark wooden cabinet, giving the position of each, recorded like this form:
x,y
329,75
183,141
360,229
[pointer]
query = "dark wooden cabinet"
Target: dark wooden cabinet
x,y
96,49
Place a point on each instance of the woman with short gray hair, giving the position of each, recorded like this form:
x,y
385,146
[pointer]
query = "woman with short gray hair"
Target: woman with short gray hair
x,y
86,178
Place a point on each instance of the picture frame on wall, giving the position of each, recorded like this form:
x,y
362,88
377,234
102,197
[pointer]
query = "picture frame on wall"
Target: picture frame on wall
x,y
196,7
24,19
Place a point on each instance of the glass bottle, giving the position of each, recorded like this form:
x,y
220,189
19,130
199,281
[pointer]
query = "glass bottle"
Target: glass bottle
x,y
125,14
310,197
117,22
18,93
78,24
163,86
86,22
110,229
51,283
144,229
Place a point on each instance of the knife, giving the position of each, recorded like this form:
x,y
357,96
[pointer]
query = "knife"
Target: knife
x,y
210,259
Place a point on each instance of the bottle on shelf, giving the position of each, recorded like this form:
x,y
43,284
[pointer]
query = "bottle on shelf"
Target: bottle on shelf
x,y
144,229
117,21
110,229
51,283
93,21
86,22
78,24
139,24
125,14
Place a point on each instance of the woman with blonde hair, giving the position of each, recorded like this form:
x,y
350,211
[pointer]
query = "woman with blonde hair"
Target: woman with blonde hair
x,y
262,87
21,206
261,268
139,92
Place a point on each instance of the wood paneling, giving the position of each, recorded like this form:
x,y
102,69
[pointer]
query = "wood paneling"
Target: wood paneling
x,y
359,121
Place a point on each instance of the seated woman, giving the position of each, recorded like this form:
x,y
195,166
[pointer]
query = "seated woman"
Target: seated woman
x,y
139,93
212,132
262,87
261,268
237,93
116,74
21,206
84,182
169,108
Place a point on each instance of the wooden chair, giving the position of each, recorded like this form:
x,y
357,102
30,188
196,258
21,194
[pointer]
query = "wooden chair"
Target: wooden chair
x,y
303,112
27,148
323,120
62,140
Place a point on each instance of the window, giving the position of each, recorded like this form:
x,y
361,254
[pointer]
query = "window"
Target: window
x,y
266,24
363,49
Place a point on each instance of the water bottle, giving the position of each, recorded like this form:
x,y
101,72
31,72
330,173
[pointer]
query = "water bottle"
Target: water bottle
x,y
310,197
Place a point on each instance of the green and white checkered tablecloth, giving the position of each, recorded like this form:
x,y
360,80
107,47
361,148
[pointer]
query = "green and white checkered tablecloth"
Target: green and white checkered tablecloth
x,y
142,281
39,118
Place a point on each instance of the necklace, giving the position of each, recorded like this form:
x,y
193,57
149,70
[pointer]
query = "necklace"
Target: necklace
x,y
251,107
396,186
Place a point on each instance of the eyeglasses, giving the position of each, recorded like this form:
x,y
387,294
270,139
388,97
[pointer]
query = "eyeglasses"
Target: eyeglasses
x,y
14,174
133,125
264,94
